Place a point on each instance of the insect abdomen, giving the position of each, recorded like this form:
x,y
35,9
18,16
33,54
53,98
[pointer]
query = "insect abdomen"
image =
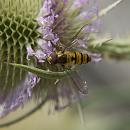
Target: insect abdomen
x,y
81,58
86,58
77,58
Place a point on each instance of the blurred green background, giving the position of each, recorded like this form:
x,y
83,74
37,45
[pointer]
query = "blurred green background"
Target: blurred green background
x,y
107,106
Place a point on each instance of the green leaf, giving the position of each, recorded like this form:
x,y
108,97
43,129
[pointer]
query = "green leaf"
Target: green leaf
x,y
118,49
42,73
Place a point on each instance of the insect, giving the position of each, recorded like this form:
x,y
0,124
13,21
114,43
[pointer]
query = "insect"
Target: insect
x,y
68,58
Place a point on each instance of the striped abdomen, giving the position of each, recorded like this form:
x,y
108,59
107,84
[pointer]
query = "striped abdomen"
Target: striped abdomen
x,y
77,58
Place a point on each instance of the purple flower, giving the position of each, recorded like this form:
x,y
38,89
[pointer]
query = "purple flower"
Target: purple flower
x,y
19,96
55,20
79,4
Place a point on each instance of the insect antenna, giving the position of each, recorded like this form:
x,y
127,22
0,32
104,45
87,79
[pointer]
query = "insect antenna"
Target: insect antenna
x,y
74,37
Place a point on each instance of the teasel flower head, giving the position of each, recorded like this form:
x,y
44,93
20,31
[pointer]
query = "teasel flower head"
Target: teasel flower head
x,y
28,37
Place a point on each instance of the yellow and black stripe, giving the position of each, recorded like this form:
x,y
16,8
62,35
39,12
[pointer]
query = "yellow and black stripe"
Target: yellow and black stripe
x,y
69,58
77,58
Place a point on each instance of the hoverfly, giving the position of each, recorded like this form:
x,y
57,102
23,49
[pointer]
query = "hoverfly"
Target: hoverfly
x,y
68,58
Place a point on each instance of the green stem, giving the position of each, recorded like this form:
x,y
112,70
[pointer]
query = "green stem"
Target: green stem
x,y
117,49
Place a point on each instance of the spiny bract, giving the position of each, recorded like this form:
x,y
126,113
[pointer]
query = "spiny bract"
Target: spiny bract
x,y
17,28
